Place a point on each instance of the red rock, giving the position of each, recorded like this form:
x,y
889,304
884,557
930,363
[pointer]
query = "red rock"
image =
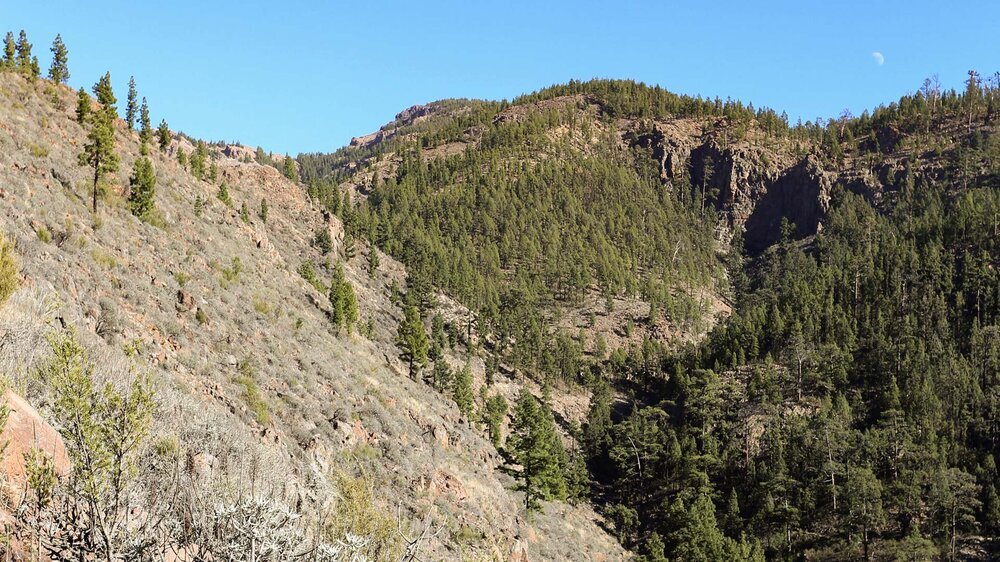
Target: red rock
x,y
26,430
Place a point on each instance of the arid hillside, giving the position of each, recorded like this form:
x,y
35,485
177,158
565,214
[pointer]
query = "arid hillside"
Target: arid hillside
x,y
256,393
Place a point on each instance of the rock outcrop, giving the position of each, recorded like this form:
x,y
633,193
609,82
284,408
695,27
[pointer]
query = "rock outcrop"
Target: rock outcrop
x,y
26,430
752,189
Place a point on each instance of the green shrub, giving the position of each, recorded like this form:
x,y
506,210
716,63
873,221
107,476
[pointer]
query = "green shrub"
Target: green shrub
x,y
44,234
38,151
261,306
308,272
252,395
103,258
232,273
323,241
9,278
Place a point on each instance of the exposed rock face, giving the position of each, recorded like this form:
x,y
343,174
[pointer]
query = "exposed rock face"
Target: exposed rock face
x,y
412,113
239,152
801,194
26,430
408,116
751,188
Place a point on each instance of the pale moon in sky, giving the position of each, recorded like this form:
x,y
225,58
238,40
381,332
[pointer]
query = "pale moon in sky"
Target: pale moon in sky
x,y
879,59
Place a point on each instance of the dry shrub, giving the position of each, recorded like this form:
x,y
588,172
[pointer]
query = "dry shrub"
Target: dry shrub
x,y
9,278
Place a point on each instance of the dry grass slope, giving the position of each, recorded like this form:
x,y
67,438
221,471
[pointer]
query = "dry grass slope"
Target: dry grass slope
x,y
238,342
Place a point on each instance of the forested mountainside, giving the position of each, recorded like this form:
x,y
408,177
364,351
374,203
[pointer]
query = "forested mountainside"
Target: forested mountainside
x,y
847,408
600,321
205,369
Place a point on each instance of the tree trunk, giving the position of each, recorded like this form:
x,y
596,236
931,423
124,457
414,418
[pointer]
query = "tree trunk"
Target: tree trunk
x,y
97,176
833,475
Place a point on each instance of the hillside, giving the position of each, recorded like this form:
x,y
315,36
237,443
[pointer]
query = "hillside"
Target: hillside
x,y
599,321
256,393
842,405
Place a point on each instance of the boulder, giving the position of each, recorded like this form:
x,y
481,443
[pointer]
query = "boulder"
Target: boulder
x,y
185,301
25,430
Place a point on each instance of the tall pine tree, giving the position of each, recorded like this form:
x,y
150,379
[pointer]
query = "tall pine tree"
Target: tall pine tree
x,y
131,104
163,135
99,152
142,188
59,70
343,302
411,337
145,127
535,445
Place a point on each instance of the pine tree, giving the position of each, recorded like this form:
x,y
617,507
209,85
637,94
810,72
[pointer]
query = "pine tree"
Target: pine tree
x,y
577,476
655,548
106,95
35,70
411,338
99,152
697,537
131,104
59,71
372,261
163,132
245,213
23,47
349,248
82,106
145,127
223,193
103,426
343,302
9,52
263,210
438,340
534,444
864,504
289,169
495,410
441,376
142,186
463,393
198,159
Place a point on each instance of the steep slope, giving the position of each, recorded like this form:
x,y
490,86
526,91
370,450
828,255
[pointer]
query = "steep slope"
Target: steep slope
x,y
846,409
252,380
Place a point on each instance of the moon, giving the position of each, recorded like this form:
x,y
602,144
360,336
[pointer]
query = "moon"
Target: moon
x,y
879,59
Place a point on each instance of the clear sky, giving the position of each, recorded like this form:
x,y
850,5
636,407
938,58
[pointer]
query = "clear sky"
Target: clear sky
x,y
303,76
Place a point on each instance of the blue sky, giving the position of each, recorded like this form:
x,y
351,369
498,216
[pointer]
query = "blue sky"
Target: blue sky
x,y
307,76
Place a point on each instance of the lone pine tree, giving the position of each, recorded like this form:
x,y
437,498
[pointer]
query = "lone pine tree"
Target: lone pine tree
x,y
145,127
82,106
142,188
163,134
462,392
106,94
343,302
131,104
411,337
23,48
9,52
59,70
289,169
99,152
